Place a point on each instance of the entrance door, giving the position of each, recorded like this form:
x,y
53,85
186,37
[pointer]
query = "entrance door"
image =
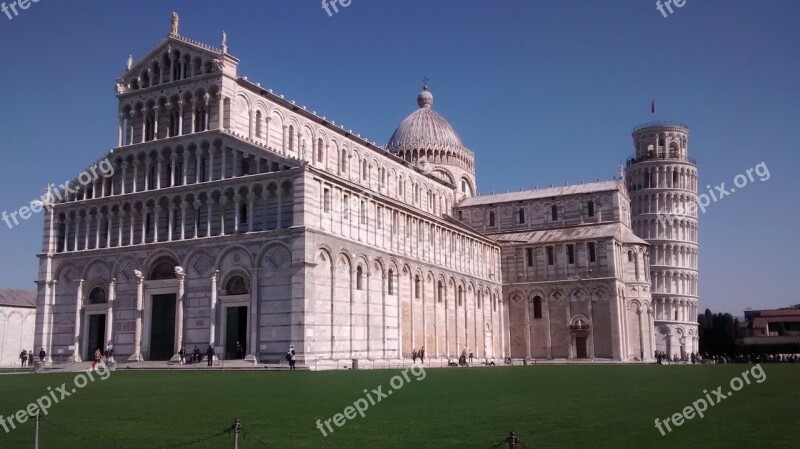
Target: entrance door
x,y
97,335
162,327
235,331
580,347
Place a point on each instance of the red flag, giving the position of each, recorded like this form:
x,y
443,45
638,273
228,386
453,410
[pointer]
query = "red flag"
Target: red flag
x,y
653,107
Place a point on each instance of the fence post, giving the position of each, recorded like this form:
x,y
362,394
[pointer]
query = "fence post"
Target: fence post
x,y
237,428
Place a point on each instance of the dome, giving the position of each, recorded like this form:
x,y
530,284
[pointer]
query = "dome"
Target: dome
x,y
424,129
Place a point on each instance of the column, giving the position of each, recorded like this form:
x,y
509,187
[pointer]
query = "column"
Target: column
x,y
155,122
170,221
527,328
179,343
206,112
49,318
221,113
137,338
194,112
180,117
213,310
250,211
76,354
252,324
237,201
184,206
119,129
173,157
159,160
67,221
198,155
112,296
224,162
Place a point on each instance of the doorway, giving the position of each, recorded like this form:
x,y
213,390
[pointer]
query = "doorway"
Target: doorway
x,y
580,347
235,331
97,335
162,327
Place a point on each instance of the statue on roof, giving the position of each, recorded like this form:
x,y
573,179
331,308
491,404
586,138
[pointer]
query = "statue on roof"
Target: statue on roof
x,y
130,62
175,20
224,42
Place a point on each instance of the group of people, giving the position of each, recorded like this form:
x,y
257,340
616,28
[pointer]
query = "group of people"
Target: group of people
x,y
662,358
418,355
27,357
752,358
197,356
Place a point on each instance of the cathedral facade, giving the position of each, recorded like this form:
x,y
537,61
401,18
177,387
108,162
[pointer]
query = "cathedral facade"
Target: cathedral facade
x,y
238,219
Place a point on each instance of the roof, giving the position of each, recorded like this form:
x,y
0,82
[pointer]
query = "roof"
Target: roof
x,y
575,189
617,231
17,298
424,129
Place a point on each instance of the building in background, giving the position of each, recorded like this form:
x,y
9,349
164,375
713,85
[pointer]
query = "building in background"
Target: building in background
x,y
17,325
770,331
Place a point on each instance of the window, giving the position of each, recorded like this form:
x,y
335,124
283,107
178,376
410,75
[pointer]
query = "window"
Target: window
x,y
592,254
537,308
417,288
364,174
97,296
460,216
326,200
529,256
460,296
242,214
550,256
554,212
258,124
491,219
439,291
630,256
571,254
363,212
521,215
390,280
591,208
320,151
291,138
343,162
346,206
236,286
359,278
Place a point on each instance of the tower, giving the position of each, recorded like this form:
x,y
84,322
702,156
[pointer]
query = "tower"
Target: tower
x,y
662,183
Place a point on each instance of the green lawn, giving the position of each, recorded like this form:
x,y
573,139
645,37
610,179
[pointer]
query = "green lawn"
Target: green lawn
x,y
548,406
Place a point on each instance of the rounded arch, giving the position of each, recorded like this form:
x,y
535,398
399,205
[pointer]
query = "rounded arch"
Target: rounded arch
x,y
229,249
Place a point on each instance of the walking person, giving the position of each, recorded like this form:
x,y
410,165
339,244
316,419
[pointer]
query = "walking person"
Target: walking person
x,y
30,357
181,356
98,355
23,357
42,355
210,355
422,354
291,356
414,355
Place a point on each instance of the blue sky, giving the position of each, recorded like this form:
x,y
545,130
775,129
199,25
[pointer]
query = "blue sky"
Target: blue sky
x,y
544,92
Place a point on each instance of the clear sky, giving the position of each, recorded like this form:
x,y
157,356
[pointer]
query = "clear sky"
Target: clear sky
x,y
544,92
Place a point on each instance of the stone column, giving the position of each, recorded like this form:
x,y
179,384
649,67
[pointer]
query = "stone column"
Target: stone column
x,y
76,354
112,296
179,343
527,328
213,310
221,113
253,322
137,338
251,197
180,117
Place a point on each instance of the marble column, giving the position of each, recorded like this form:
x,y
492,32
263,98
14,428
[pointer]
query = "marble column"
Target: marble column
x,y
137,338
179,343
76,354
112,296
253,322
213,310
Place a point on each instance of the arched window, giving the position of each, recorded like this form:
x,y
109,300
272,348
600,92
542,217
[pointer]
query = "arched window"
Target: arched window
x,y
537,307
343,162
460,296
521,214
364,172
440,291
236,285
359,278
390,280
163,269
320,151
491,219
97,296
630,256
258,124
417,288
291,138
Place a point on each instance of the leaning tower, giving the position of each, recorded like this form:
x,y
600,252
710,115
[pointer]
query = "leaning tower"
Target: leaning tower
x,y
662,183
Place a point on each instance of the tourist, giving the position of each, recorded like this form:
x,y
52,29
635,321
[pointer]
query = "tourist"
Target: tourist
x,y
414,355
109,354
210,355
239,351
181,357
291,357
196,355
30,357
23,357
470,358
42,355
422,354
98,355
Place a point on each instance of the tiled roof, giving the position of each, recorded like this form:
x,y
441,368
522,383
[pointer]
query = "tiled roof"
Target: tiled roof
x,y
575,189
574,233
17,298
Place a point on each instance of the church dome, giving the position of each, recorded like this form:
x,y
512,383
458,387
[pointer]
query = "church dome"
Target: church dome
x,y
424,129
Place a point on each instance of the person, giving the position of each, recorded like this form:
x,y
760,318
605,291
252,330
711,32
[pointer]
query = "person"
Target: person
x,y
30,357
23,357
42,355
239,351
414,355
109,354
210,355
181,356
471,355
196,355
422,354
98,355
291,356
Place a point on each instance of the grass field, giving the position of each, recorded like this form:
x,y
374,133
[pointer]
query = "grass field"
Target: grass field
x,y
548,406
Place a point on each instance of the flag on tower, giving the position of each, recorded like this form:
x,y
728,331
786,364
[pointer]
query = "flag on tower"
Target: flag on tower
x,y
653,107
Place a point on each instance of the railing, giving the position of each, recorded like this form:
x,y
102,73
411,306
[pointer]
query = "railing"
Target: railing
x,y
660,123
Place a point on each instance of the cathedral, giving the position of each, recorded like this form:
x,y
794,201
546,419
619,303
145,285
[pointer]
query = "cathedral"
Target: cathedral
x,y
237,219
